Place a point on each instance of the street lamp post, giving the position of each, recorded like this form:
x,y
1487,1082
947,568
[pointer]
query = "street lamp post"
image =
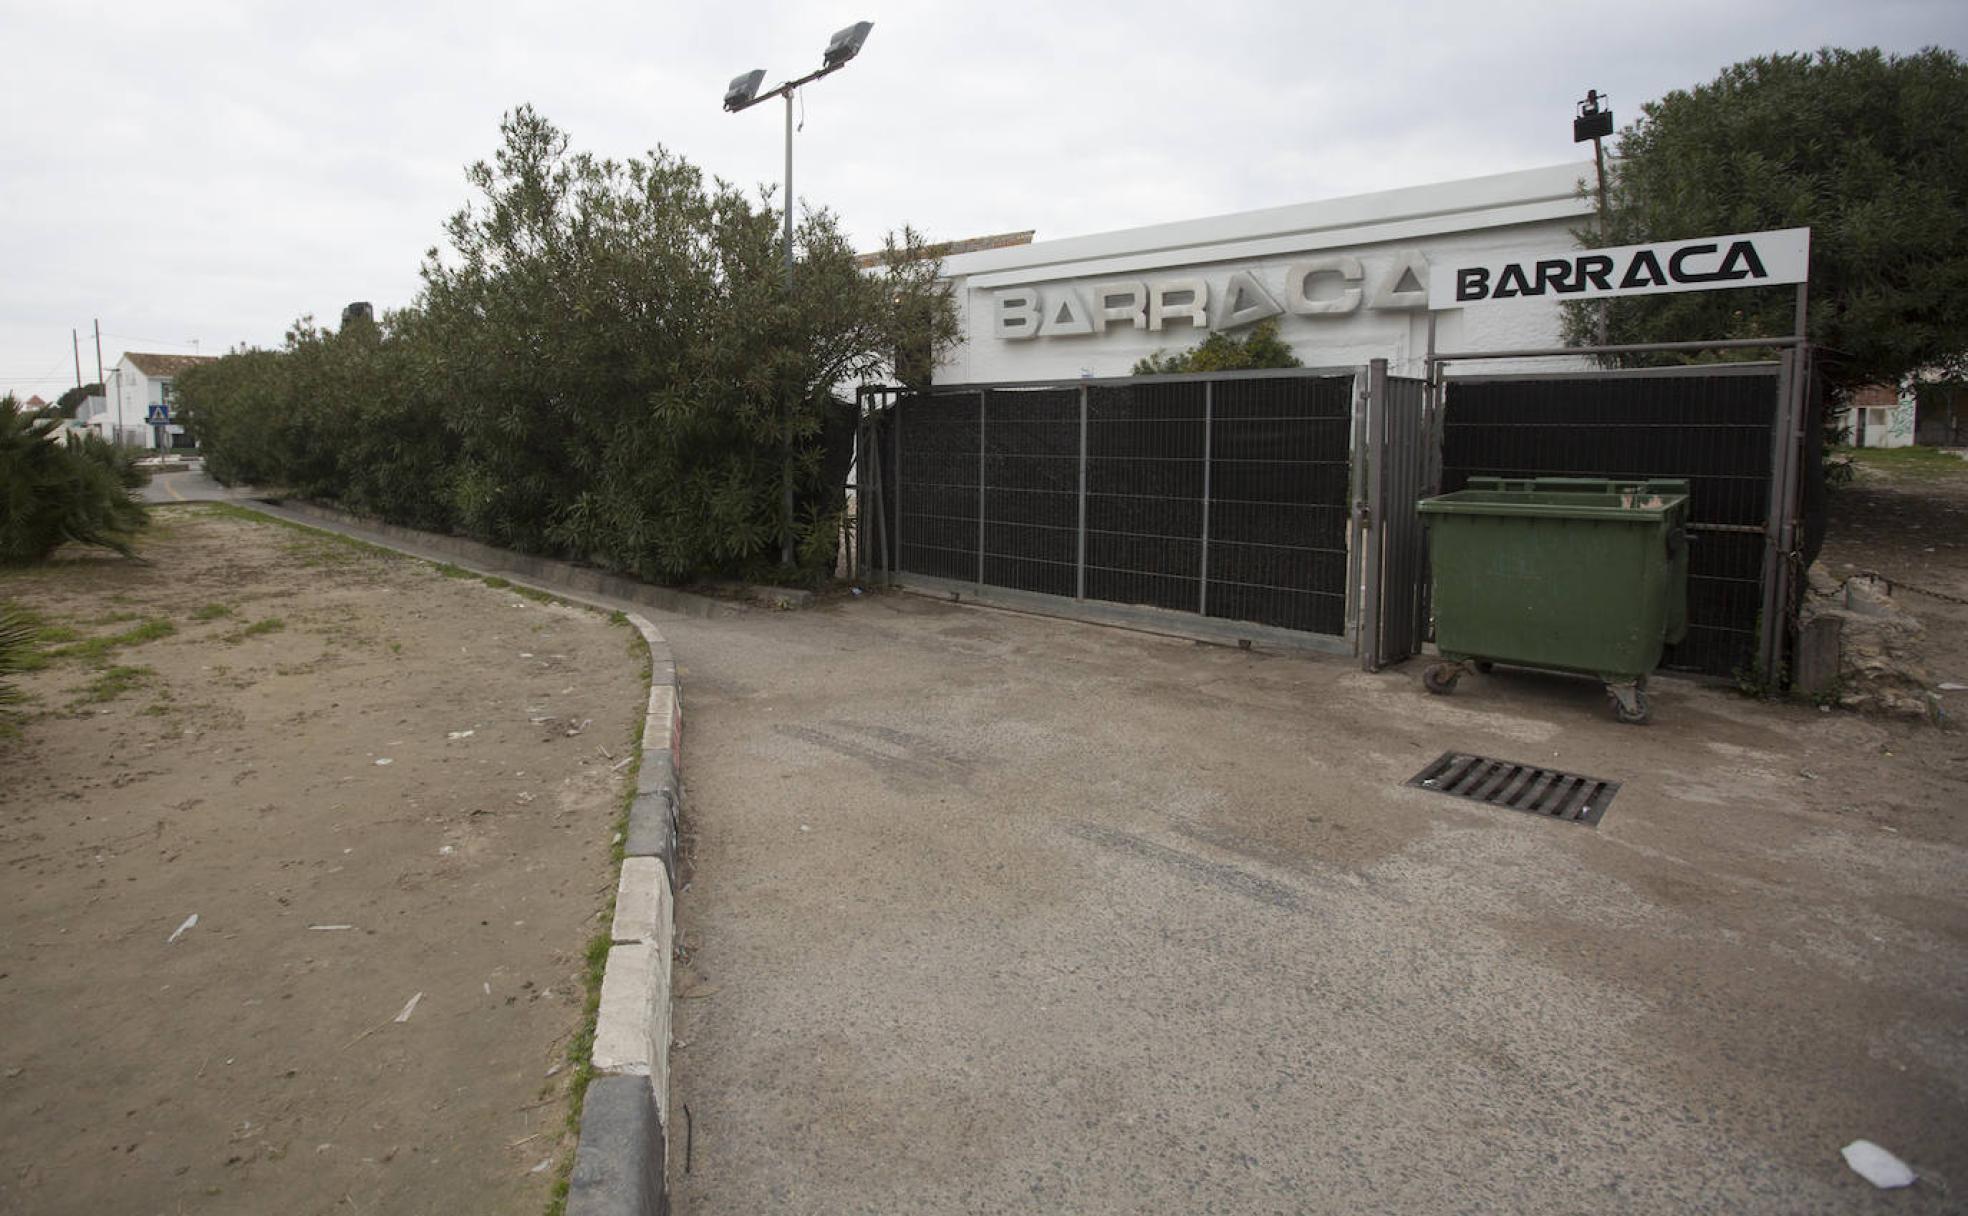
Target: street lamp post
x,y
742,94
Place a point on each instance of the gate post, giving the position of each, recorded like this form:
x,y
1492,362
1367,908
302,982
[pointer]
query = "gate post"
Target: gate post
x,y
1079,561
1202,566
1371,510
981,396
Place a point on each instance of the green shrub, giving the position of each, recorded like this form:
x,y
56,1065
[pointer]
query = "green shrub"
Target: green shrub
x,y
17,639
53,492
606,364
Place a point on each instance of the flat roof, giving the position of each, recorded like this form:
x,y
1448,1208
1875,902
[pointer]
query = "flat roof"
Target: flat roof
x,y
1410,212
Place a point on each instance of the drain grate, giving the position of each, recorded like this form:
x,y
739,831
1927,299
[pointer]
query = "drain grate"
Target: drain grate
x,y
1518,787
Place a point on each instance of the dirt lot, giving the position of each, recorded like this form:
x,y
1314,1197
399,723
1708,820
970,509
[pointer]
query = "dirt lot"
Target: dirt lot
x,y
372,784
1905,516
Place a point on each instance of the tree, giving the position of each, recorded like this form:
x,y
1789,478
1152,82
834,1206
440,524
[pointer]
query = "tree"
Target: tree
x,y
1869,151
53,492
606,363
73,398
1220,352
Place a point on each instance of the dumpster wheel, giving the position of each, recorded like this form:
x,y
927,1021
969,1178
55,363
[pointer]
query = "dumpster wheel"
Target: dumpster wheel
x,y
1630,701
1440,678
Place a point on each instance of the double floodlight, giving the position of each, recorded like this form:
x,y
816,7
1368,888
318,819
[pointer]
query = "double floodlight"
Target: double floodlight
x,y
743,91
743,88
846,44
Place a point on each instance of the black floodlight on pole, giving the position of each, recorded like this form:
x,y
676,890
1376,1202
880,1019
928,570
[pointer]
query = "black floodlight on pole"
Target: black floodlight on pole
x,y
846,44
743,89
743,94
1594,123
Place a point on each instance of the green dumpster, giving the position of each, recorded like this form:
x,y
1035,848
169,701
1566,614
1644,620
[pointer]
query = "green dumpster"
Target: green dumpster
x,y
1565,573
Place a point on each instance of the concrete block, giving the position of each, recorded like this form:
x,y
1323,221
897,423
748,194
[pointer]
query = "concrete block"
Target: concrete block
x,y
643,908
653,828
657,773
619,1165
630,988
660,727
1818,649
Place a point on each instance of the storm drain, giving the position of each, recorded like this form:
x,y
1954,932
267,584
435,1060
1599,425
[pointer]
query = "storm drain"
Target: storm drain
x,y
1518,787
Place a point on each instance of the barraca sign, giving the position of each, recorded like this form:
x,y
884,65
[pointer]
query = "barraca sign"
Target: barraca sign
x,y
1331,285
1749,259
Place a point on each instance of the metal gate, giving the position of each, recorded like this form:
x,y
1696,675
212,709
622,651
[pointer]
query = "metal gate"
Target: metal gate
x,y
1716,425
1223,504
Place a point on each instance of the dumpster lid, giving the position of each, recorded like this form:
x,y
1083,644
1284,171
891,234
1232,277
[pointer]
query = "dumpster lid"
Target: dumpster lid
x,y
1637,500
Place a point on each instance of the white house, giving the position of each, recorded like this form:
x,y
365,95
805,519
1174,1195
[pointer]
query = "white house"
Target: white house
x,y
140,396
1346,280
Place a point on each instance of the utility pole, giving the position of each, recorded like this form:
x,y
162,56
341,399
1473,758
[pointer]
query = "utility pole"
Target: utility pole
x,y
76,338
99,379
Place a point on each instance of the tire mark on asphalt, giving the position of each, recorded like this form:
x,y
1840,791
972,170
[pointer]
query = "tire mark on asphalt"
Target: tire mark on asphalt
x,y
1211,873
922,769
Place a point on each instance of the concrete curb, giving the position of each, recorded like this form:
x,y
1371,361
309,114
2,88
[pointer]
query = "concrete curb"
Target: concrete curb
x,y
618,1166
620,1158
559,576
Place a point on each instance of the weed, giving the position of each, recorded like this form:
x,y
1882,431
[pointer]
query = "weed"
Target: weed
x,y
493,580
211,612
96,650
271,624
580,1050
118,618
396,647
113,682
538,597
450,571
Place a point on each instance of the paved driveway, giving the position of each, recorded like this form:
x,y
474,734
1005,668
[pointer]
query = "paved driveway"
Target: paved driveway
x,y
995,913
192,485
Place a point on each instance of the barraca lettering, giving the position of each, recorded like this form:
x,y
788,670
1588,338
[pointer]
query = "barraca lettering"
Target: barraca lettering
x,y
1321,286
1643,269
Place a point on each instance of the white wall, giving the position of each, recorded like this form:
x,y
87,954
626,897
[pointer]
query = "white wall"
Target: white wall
x,y
1526,211
136,392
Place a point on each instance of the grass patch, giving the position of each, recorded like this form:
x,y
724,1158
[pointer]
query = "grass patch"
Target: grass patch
x,y
117,618
271,624
493,580
537,596
312,545
97,649
1916,463
114,682
211,612
449,570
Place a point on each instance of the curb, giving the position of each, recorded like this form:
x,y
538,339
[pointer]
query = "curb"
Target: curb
x,y
559,575
620,1160
622,1151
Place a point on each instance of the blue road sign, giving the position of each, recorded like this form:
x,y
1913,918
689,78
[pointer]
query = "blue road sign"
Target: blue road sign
x,y
160,415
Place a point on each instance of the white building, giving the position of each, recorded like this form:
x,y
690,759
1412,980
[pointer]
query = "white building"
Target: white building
x,y
139,388
1346,280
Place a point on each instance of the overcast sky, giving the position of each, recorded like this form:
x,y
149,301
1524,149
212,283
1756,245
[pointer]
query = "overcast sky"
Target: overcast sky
x,y
199,173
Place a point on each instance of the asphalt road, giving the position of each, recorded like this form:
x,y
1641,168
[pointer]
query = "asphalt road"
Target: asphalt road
x,y
191,486
989,913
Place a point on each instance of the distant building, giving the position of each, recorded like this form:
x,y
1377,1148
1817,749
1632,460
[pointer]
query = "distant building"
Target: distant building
x,y
1881,416
142,396
34,403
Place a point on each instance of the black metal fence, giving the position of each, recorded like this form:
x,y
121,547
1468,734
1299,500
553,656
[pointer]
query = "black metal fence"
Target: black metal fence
x,y
1712,426
1227,496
